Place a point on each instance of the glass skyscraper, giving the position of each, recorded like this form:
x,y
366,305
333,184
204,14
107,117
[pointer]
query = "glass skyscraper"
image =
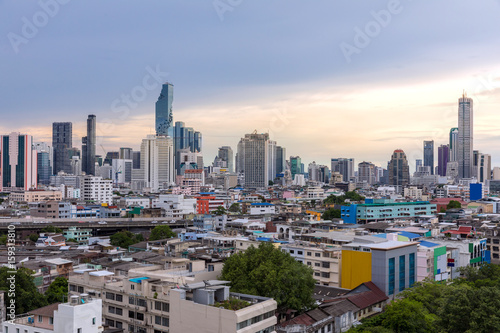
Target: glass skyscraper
x,y
164,117
429,155
88,147
465,137
62,140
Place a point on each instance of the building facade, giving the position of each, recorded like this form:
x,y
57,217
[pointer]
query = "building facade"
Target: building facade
x,y
157,162
18,163
399,171
429,155
163,114
62,140
465,137
89,146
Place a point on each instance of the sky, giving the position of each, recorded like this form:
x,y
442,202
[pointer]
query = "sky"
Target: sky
x,y
325,78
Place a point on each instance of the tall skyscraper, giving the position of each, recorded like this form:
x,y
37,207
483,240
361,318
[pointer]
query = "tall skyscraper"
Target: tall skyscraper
x,y
184,137
443,159
157,161
253,156
344,166
465,137
429,155
366,173
226,154
45,158
399,171
62,140
271,160
89,146
280,159
18,163
295,166
164,116
453,144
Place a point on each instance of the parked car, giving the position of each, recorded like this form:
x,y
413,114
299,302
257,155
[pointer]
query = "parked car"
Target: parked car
x,y
102,222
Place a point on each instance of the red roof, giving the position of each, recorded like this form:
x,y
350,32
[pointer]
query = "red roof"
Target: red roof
x,y
464,230
365,299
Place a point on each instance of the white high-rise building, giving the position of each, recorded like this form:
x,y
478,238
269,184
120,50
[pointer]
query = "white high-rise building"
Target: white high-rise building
x,y
253,159
19,163
453,144
157,162
96,189
465,137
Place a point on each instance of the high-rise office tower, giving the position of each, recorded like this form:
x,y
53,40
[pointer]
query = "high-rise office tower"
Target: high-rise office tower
x,y
89,146
271,160
164,116
157,161
185,137
18,162
253,156
483,167
126,153
110,156
62,140
367,173
226,154
443,159
136,160
45,157
344,166
399,171
465,137
280,159
429,155
295,166
453,144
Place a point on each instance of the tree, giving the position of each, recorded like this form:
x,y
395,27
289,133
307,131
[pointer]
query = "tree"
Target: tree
x,y
57,291
409,316
161,232
271,183
331,213
125,238
33,237
72,240
340,199
267,271
3,239
220,211
51,228
453,204
235,208
26,295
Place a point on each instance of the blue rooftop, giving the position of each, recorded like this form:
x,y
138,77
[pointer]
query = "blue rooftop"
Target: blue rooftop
x,y
261,204
138,280
428,244
380,235
410,235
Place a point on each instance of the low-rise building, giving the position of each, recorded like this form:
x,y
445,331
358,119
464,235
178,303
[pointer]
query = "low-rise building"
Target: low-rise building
x,y
35,196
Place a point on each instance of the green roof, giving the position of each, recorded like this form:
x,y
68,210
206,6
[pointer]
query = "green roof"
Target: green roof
x,y
395,204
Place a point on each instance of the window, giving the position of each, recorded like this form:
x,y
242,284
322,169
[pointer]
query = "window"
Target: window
x,y
110,296
300,252
391,275
119,324
411,270
402,272
316,274
317,254
110,322
79,330
309,254
119,311
93,321
40,319
51,320
119,298
317,264
132,287
111,309
325,264
309,263
292,251
325,275
80,289
72,287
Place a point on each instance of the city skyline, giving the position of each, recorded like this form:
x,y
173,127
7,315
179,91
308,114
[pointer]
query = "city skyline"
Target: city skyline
x,y
304,92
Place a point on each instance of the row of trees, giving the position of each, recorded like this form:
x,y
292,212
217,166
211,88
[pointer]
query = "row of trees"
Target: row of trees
x,y
471,304
340,199
26,295
126,238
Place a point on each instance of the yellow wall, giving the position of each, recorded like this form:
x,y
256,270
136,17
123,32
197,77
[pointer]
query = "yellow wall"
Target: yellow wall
x,y
317,214
356,268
